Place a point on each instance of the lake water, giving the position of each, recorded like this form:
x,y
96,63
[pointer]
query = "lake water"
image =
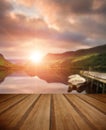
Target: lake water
x,y
20,82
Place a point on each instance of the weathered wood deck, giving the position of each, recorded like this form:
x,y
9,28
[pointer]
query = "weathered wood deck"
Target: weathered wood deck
x,y
52,112
101,77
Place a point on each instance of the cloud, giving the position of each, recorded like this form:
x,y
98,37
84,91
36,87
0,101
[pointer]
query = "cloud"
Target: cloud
x,y
91,26
70,37
18,26
74,15
67,15
100,6
5,8
21,27
57,24
27,3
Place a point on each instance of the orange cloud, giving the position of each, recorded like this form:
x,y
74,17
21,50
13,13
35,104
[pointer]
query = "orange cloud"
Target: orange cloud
x,y
27,3
61,24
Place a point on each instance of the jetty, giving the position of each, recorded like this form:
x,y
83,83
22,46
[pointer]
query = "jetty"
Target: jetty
x,y
96,78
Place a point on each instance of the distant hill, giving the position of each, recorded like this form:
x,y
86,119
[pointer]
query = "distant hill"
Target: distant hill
x,y
18,61
92,58
81,52
5,64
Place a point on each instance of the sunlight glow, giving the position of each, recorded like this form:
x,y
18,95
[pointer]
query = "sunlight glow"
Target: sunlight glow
x,y
36,57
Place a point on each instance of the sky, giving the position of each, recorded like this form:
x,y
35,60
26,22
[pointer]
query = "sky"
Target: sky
x,y
50,26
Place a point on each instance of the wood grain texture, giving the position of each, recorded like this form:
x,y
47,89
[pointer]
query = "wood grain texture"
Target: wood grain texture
x,y
95,118
66,117
4,97
12,118
11,102
99,97
95,103
52,112
39,117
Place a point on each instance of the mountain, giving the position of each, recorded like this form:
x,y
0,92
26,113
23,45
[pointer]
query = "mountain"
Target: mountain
x,y
18,61
81,52
5,64
92,58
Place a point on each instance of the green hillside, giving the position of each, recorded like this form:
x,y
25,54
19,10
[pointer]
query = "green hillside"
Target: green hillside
x,y
95,62
5,64
89,59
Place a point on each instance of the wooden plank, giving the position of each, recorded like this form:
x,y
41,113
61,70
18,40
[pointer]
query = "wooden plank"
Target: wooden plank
x,y
94,116
66,117
39,117
4,97
53,112
98,97
11,102
11,119
101,77
95,103
103,95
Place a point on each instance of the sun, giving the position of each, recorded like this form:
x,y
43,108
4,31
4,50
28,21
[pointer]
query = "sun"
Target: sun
x,y
36,57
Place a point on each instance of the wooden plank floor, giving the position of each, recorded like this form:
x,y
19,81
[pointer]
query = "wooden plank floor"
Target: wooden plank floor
x,y
53,112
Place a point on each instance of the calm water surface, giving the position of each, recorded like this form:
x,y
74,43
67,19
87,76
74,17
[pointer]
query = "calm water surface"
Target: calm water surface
x,y
20,82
